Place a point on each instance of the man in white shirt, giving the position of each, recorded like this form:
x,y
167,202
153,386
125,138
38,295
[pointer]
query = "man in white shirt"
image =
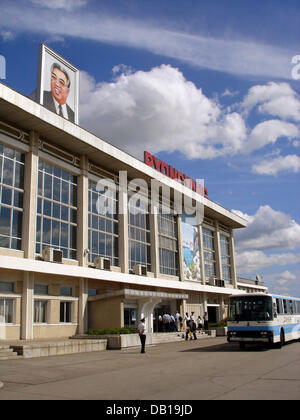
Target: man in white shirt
x,y
177,317
142,334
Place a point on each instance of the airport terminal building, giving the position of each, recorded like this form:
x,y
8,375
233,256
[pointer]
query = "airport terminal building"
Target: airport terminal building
x,y
65,266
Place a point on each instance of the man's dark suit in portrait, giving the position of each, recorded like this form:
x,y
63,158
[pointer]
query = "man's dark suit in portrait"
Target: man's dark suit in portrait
x,y
56,99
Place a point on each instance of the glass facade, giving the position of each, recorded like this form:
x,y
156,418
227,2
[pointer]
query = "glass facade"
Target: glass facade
x,y
139,235
168,246
226,259
209,253
12,165
103,227
56,210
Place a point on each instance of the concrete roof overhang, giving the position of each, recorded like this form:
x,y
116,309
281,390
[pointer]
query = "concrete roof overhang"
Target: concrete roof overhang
x,y
28,115
139,294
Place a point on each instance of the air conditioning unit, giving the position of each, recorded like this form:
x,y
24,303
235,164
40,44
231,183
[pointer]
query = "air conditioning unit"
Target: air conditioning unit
x,y
220,283
212,281
52,255
139,270
102,263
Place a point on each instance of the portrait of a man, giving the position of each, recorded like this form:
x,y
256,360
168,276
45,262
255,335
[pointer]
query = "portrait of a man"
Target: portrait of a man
x,y
58,84
56,99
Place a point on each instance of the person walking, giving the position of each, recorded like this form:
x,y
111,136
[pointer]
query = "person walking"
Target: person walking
x,y
173,327
178,317
206,321
188,322
187,319
193,327
200,323
142,334
166,322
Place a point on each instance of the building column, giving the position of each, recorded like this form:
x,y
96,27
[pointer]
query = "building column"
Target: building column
x,y
180,248
154,240
219,271
205,303
83,212
233,267
145,310
201,254
123,223
30,197
222,308
27,306
83,306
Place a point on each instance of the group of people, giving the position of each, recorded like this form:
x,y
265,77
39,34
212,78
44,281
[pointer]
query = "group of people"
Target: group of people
x,y
174,323
193,324
170,323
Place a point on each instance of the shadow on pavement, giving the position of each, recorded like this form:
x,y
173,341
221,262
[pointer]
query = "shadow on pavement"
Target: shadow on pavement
x,y
227,348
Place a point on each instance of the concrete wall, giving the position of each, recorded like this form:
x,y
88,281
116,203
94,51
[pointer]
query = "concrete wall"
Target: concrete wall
x,y
106,313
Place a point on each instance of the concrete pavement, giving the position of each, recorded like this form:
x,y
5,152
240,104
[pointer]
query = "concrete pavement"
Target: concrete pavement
x,y
206,369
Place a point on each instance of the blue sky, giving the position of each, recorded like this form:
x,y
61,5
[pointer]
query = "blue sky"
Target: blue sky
x,y
206,86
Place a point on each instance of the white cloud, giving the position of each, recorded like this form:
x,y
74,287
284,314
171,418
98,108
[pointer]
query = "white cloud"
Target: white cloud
x,y
7,35
284,283
228,92
255,261
234,56
60,4
264,245
269,132
162,111
289,163
277,99
268,229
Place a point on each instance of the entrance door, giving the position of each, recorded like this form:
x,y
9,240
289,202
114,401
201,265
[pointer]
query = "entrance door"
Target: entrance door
x,y
159,309
212,313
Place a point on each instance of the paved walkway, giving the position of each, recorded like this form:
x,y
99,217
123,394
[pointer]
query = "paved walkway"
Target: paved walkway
x,y
189,370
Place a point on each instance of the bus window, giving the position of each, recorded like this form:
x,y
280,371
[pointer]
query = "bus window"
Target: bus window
x,y
285,310
291,310
279,306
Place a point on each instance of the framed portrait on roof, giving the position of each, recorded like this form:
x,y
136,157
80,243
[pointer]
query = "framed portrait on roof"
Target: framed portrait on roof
x,y
58,84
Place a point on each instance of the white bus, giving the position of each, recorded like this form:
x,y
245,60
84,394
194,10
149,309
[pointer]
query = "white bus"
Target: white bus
x,y
263,318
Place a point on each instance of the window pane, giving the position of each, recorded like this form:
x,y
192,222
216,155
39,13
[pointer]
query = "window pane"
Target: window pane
x,y
5,221
17,224
8,171
6,196
19,175
7,287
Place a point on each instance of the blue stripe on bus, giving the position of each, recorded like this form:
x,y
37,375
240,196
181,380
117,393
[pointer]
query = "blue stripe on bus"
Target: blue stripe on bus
x,y
288,328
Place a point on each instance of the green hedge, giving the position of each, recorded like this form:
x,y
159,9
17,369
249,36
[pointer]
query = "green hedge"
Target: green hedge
x,y
217,324
108,331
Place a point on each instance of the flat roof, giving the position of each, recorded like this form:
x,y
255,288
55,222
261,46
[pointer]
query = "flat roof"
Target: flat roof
x,y
26,114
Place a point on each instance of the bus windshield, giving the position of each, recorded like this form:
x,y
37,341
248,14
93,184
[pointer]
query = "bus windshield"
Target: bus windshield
x,y
252,308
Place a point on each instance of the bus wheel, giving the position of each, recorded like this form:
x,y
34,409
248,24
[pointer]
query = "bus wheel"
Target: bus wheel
x,y
282,340
242,346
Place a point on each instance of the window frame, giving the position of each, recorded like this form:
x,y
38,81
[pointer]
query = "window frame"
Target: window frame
x,y
57,210
11,237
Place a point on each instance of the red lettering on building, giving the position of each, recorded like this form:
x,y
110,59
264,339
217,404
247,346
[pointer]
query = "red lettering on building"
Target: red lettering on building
x,y
173,173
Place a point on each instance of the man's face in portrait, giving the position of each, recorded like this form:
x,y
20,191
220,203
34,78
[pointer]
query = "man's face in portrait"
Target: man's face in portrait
x,y
59,86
